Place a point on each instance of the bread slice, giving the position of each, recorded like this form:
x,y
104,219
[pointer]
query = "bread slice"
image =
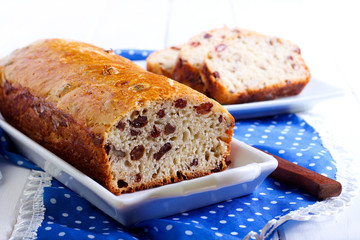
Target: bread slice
x,y
253,67
163,61
124,127
192,54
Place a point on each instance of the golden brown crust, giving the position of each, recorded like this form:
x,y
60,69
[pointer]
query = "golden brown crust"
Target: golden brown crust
x,y
66,95
223,96
63,136
66,69
189,75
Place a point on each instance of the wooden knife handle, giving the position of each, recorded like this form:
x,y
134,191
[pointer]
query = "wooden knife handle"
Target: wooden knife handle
x,y
311,182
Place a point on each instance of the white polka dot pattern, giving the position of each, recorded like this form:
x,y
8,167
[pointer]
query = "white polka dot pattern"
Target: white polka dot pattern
x,y
133,54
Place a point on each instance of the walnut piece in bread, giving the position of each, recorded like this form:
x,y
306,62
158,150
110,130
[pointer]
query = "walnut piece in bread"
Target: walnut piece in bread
x,y
126,128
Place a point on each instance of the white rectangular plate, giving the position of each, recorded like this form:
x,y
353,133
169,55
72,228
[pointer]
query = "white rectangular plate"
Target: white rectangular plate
x,y
314,92
247,171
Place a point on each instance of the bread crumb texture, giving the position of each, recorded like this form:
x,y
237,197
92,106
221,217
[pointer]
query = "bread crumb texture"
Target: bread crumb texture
x,y
166,142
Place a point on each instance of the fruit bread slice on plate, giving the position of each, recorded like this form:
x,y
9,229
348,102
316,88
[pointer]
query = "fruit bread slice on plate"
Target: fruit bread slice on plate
x,y
253,67
235,65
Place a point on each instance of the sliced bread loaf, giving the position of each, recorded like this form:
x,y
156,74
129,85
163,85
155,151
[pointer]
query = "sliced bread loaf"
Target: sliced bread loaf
x,y
253,67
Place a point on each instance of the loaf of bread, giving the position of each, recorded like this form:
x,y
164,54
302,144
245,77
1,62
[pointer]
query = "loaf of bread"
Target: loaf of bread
x,y
252,67
124,127
163,61
238,66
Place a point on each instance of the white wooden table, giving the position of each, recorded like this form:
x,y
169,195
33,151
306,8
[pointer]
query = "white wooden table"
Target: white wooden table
x,y
327,32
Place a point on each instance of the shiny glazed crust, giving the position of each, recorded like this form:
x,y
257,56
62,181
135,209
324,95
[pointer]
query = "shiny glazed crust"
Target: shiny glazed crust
x,y
67,95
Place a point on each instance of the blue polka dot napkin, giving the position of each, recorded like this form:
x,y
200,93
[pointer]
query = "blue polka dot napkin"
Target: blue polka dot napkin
x,y
8,152
68,216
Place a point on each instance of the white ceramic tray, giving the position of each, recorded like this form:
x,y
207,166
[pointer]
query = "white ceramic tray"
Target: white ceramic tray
x,y
247,171
314,92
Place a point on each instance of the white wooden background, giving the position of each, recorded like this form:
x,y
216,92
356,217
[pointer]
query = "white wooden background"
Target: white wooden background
x,y
328,33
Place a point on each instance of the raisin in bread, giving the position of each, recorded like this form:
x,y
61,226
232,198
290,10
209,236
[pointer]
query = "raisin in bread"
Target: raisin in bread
x,y
192,54
163,61
124,127
253,67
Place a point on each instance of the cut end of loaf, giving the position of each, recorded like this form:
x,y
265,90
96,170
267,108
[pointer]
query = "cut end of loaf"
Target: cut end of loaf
x,y
167,142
